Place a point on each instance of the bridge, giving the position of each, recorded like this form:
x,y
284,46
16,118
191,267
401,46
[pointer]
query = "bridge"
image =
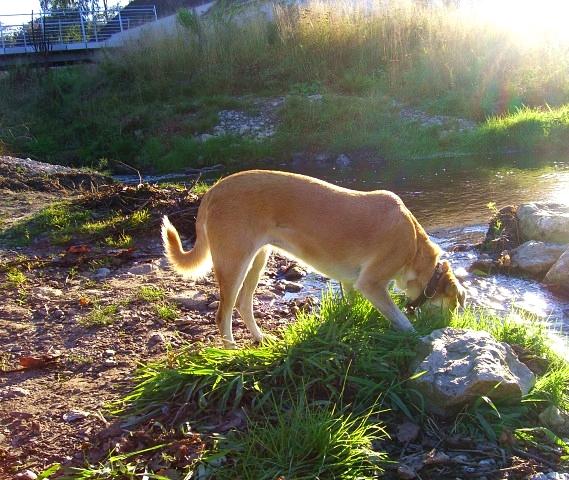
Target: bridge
x,y
67,36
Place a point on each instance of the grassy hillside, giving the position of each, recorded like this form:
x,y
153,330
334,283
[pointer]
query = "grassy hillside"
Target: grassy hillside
x,y
148,100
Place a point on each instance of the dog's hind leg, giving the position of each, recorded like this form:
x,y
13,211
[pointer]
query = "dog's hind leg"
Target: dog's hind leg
x,y
245,298
230,270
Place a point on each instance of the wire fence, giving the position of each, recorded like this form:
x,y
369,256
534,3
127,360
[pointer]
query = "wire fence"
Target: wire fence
x,y
69,29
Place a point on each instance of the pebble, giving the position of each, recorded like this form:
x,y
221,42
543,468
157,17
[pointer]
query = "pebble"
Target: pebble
x,y
156,338
47,293
142,269
213,305
13,392
292,287
74,415
294,273
58,314
102,272
192,299
110,362
343,160
110,353
27,475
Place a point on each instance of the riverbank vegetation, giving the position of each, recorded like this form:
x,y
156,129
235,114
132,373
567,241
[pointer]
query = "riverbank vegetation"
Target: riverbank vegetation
x,y
338,381
145,104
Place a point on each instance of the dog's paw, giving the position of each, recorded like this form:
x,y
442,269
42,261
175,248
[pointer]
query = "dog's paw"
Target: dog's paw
x,y
229,345
266,338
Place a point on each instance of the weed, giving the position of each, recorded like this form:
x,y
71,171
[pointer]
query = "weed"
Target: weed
x,y
122,241
139,218
150,293
166,311
16,278
100,316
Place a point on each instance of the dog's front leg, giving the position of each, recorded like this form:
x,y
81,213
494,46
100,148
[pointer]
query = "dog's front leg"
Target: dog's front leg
x,y
378,295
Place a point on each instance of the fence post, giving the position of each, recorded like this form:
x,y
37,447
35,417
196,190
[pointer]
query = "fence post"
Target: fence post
x,y
82,27
60,34
95,27
2,38
120,20
25,42
155,14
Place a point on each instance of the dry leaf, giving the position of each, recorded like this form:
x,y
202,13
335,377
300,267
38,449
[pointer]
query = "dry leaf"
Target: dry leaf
x,y
37,362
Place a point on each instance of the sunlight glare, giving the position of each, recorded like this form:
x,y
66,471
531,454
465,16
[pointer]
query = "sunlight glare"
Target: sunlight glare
x,y
530,21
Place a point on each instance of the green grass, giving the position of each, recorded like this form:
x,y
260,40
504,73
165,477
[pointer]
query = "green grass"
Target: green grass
x,y
319,399
16,278
150,293
526,129
58,221
167,312
305,443
62,222
99,316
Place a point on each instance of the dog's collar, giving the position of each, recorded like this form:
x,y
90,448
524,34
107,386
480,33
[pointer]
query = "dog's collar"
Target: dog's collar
x,y
429,291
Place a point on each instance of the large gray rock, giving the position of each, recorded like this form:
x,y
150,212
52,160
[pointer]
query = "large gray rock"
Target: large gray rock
x,y
536,258
461,365
548,222
558,274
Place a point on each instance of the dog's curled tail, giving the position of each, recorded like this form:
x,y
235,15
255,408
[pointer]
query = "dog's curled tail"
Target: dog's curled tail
x,y
192,264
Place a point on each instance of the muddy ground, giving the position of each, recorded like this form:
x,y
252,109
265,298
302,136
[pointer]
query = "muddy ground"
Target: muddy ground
x,y
60,364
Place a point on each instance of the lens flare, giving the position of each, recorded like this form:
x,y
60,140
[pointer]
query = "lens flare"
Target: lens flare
x,y
532,22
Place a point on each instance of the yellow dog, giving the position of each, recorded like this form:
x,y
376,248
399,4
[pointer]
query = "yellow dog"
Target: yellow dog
x,y
362,239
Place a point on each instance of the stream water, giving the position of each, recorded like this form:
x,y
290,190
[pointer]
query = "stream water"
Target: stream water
x,y
450,197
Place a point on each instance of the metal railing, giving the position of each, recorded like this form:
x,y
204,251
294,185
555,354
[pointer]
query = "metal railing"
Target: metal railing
x,y
69,29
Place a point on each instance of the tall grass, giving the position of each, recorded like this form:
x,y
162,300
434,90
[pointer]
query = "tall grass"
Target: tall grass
x,y
434,55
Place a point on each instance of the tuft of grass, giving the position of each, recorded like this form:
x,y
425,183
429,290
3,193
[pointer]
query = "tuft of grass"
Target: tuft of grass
x,y
525,129
58,221
16,278
166,311
99,316
150,293
318,384
327,444
122,241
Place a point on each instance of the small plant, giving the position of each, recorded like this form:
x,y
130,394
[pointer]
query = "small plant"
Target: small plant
x,y
122,241
139,218
100,316
150,293
166,311
16,278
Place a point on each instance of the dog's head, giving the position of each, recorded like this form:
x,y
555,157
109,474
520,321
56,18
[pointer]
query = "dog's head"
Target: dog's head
x,y
444,293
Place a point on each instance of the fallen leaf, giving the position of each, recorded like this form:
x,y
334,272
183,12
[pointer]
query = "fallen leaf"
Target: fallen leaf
x,y
37,362
84,301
